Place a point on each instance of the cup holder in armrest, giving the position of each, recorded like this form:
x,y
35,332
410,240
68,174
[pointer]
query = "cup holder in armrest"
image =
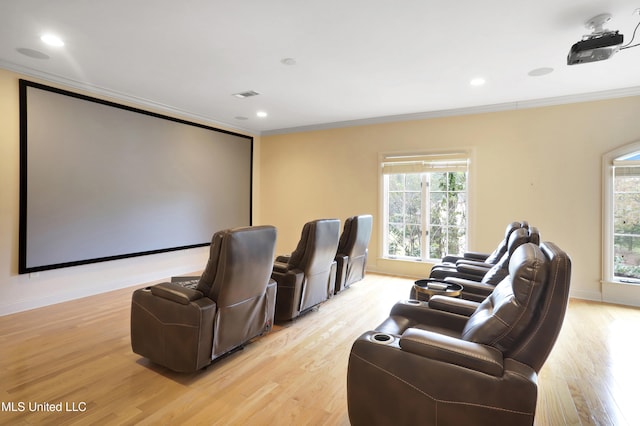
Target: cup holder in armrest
x,y
382,338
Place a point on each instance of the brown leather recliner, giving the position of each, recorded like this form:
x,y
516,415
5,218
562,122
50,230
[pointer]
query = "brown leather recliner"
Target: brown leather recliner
x,y
477,270
454,361
185,329
480,259
484,281
307,277
351,257
479,290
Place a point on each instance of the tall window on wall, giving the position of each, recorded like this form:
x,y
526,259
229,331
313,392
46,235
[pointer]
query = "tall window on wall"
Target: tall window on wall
x,y
626,218
425,205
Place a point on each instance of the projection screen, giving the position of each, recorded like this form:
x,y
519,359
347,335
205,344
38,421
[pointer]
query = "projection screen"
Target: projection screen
x,y
101,181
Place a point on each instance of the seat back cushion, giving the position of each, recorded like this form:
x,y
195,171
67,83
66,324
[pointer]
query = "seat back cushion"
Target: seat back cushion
x,y
297,258
502,318
497,254
535,347
240,286
321,247
245,265
355,236
501,269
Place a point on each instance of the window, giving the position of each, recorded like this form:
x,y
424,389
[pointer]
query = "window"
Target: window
x,y
621,225
425,205
626,218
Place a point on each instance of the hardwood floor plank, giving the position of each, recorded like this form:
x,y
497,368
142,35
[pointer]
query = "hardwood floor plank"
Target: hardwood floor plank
x,y
79,352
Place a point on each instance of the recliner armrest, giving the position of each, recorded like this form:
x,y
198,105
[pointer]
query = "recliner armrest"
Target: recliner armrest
x,y
421,313
470,286
471,262
475,255
469,256
289,290
473,269
176,293
341,262
280,267
283,258
451,259
453,305
440,347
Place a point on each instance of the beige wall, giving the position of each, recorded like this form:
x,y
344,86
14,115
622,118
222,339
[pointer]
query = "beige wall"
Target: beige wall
x,y
21,292
542,165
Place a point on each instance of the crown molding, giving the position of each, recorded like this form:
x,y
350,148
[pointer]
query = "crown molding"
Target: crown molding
x,y
119,96
481,109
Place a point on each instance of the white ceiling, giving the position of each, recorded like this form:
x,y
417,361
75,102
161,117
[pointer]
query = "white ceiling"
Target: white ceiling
x,y
357,61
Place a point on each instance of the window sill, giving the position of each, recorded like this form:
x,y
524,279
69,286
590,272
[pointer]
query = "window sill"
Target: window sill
x,y
622,293
405,259
404,267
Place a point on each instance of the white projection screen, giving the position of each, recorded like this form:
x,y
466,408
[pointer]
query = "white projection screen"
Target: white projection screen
x,y
101,181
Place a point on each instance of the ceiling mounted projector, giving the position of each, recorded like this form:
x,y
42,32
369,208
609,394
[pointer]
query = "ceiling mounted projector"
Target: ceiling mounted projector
x,y
601,44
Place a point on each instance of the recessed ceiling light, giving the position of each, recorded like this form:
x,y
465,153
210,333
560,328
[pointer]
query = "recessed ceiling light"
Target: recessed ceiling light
x,y
247,94
52,40
478,81
261,114
540,71
288,61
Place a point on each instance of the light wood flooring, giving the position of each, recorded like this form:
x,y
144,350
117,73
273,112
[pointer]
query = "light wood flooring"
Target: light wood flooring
x,y
77,356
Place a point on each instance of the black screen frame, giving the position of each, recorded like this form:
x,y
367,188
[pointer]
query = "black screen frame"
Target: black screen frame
x,y
23,267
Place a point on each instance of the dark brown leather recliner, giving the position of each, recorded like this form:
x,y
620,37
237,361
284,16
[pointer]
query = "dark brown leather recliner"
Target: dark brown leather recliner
x,y
481,259
479,290
307,277
351,257
454,361
484,281
477,270
185,329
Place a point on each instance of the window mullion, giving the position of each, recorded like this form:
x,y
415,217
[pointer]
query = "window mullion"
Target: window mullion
x,y
424,217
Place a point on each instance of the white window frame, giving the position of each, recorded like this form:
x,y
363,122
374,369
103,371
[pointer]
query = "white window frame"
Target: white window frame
x,y
608,164
408,157
614,291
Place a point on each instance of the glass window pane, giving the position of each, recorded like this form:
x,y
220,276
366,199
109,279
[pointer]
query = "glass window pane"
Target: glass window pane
x,y
437,242
627,256
626,212
396,207
396,182
458,210
412,182
459,181
456,241
412,241
438,182
413,207
438,212
627,183
396,240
